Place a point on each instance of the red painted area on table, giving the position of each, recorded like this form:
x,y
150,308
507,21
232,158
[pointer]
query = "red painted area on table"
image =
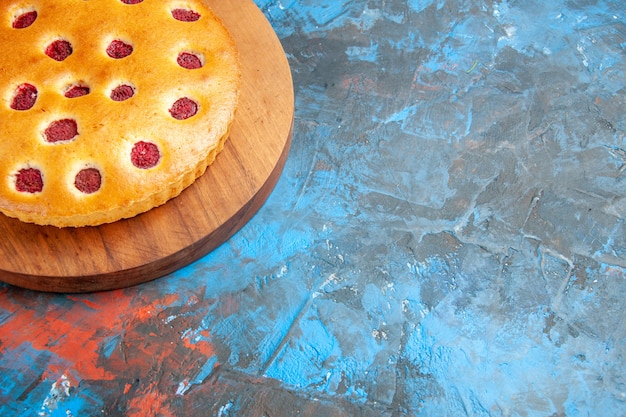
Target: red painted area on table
x,y
119,337
71,334
85,301
152,402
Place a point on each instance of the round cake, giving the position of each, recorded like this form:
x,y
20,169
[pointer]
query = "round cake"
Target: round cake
x,y
111,107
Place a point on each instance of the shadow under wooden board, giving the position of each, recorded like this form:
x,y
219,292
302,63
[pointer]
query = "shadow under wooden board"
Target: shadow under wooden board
x,y
204,216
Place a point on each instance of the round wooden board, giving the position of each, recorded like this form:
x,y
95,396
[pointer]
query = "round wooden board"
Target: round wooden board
x,y
205,215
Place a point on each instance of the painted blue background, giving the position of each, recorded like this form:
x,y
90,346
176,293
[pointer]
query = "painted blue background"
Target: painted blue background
x,y
447,238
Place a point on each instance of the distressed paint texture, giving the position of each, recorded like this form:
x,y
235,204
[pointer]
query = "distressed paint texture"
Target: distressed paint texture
x,y
447,239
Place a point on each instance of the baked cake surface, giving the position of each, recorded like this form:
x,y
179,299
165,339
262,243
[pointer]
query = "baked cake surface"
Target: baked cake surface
x,y
110,107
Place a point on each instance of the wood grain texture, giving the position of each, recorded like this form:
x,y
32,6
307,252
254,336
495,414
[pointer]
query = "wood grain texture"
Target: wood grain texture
x,y
219,203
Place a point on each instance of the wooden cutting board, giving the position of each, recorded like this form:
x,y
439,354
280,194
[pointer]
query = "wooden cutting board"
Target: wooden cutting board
x,y
205,215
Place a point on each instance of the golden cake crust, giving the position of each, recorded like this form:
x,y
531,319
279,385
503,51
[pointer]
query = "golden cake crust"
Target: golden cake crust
x,y
108,130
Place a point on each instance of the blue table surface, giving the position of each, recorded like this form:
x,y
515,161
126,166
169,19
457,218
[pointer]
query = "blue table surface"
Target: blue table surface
x,y
447,238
